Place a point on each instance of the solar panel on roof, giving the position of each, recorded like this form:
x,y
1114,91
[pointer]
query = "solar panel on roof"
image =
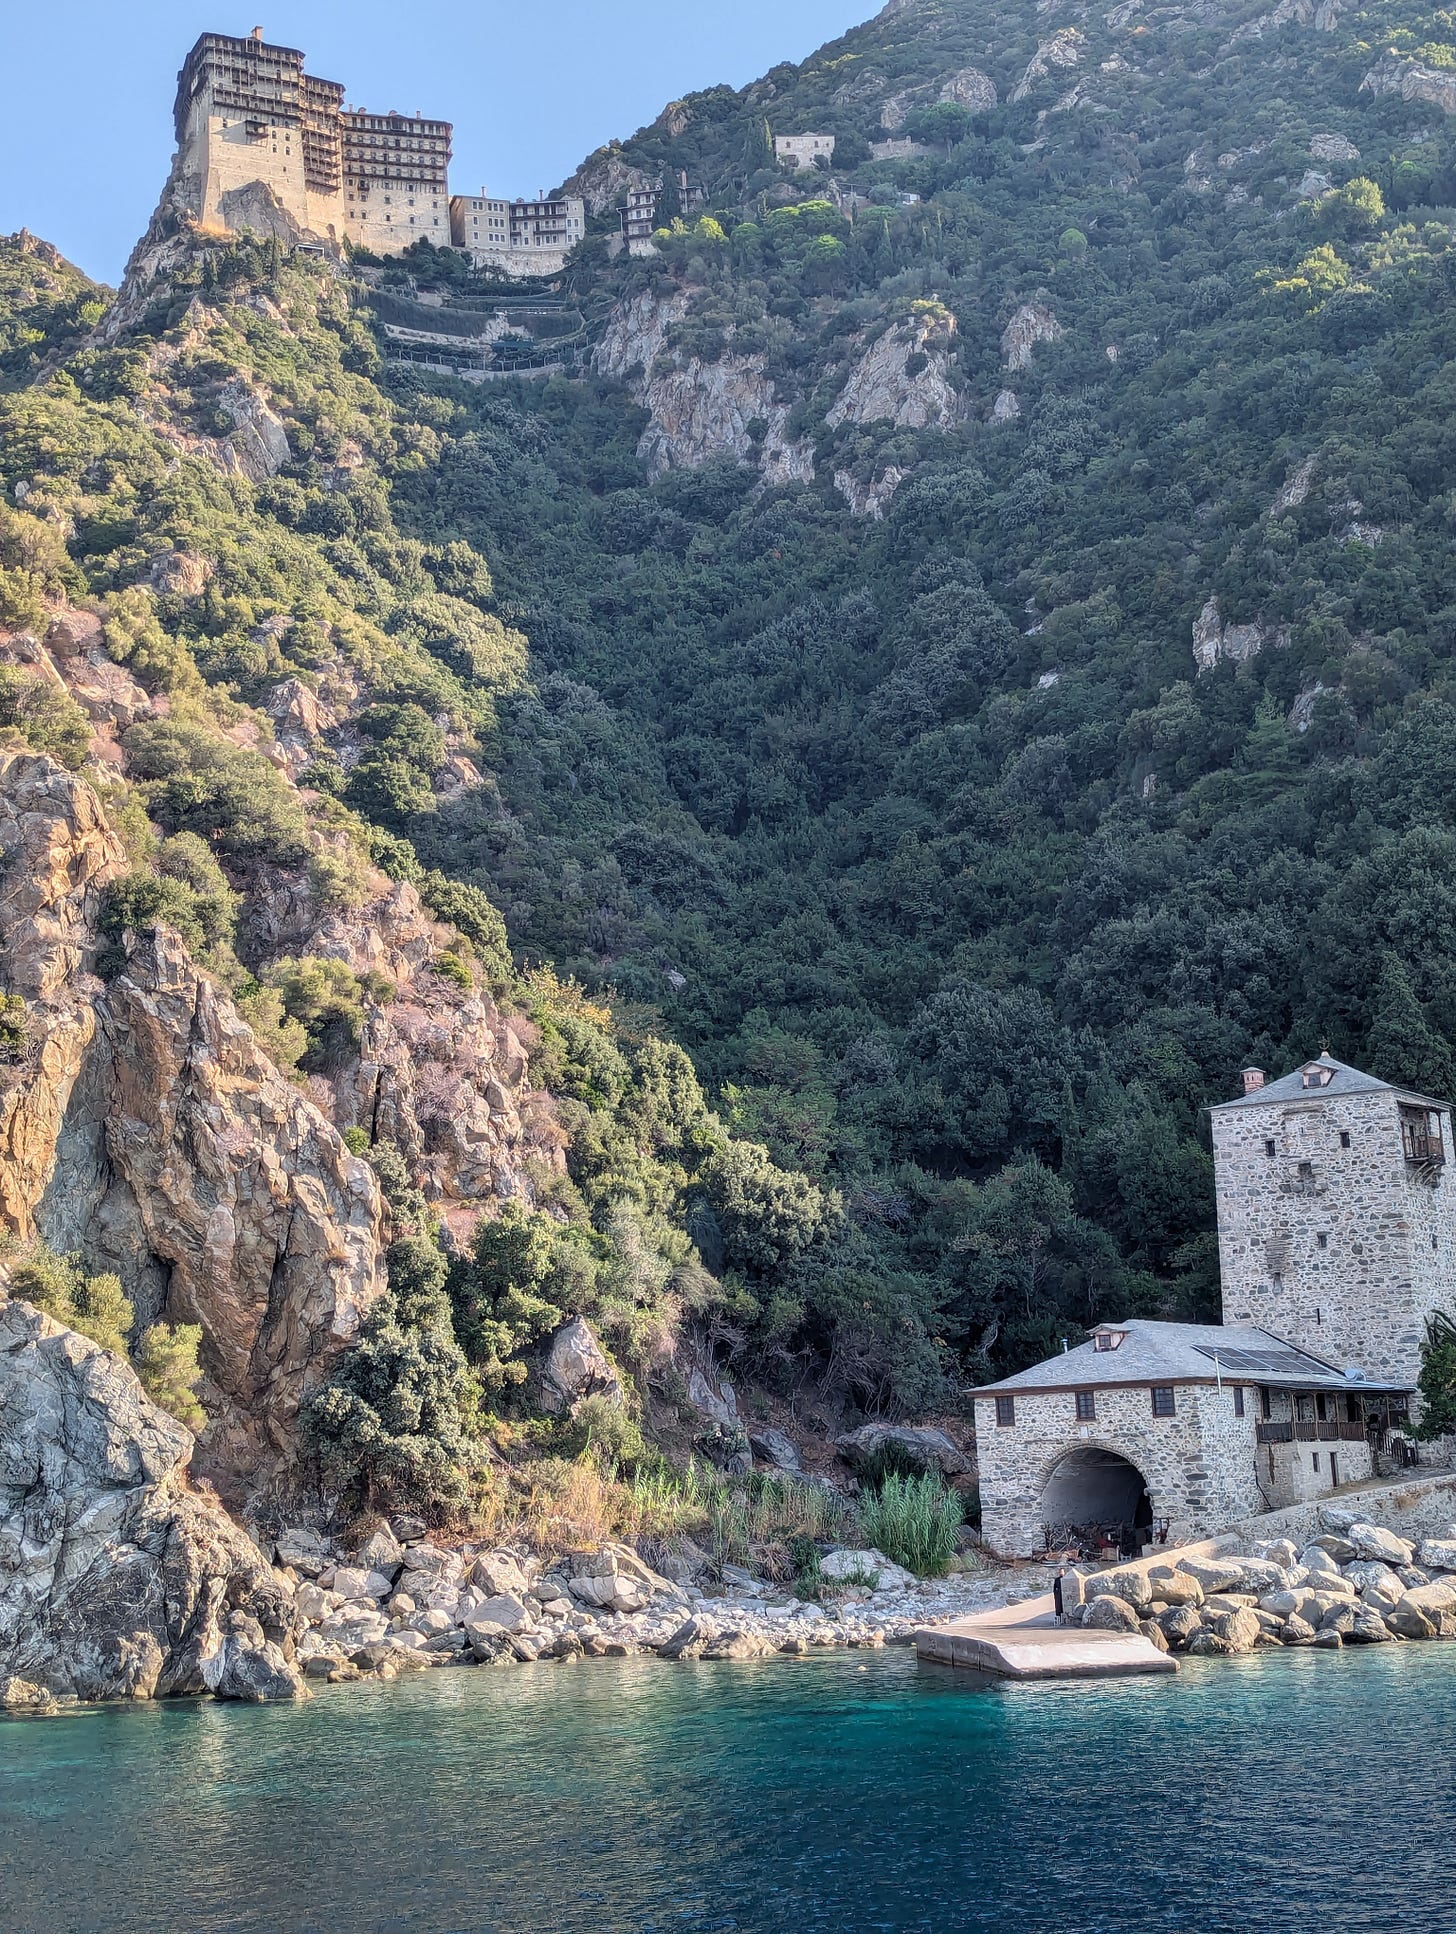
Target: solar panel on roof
x,y
1273,1361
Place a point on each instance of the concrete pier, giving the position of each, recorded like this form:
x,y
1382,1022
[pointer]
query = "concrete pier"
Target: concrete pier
x,y
1027,1643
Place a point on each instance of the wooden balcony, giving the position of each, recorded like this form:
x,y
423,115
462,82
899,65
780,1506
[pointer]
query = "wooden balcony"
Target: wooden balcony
x,y
1310,1431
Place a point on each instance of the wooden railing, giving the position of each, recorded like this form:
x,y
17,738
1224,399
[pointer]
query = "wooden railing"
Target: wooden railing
x,y
1312,1432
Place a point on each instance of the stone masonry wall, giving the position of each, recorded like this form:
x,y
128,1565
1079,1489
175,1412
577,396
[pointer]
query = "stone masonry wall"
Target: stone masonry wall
x,y
1388,1256
1198,1465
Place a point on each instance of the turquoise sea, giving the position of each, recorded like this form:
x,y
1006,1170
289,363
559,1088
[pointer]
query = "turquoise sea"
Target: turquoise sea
x,y
839,1793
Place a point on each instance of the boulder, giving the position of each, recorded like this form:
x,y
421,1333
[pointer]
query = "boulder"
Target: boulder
x,y
116,1581
869,1567
576,1366
1214,1574
1434,1599
24,1695
1328,1641
493,1618
1229,1602
616,1579
351,1630
1368,1628
1315,1558
1410,1620
780,1450
1282,1552
1111,1614
1171,1587
353,1582
380,1551
248,1666
1437,1554
1301,1602
740,1645
1339,1618
1374,1541
498,1571
1334,1546
1180,1623
1123,1581
302,1551
314,1605
1153,1633
1205,1643
923,1445
1238,1629
1298,1631
1335,1518
688,1641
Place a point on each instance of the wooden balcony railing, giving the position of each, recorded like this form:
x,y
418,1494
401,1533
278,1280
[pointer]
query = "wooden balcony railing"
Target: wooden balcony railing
x,y
1312,1432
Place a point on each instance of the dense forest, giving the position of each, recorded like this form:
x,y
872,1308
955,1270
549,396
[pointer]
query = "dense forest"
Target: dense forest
x,y
894,887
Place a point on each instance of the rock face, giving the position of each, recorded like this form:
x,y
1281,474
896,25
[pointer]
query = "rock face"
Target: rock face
x,y
115,1581
882,388
604,181
1063,49
920,1444
1412,81
147,1130
1032,323
700,410
1213,640
576,1366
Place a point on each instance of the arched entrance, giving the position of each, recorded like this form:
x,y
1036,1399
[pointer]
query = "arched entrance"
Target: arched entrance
x,y
1093,1496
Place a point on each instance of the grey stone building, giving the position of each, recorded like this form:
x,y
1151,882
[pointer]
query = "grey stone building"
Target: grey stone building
x,y
1336,1219
1337,1239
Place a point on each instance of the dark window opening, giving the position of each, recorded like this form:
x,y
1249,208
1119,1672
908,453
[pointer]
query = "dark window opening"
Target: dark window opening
x,y
1266,1405
1323,1240
1238,1400
1306,1171
1269,1147
1352,1410
1086,1407
1420,1134
1344,1138
1315,1455
1165,1404
1319,1405
1005,1411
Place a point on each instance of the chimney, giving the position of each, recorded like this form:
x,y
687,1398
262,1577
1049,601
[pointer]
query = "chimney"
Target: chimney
x,y
1253,1080
257,33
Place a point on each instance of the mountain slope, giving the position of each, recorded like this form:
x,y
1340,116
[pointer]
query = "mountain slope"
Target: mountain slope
x,y
965,655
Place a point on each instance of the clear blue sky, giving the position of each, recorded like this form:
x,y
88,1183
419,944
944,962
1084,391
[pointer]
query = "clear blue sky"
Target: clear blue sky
x,y
86,134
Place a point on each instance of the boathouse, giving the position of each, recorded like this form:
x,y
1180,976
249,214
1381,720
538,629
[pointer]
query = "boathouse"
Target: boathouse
x,y
1337,1240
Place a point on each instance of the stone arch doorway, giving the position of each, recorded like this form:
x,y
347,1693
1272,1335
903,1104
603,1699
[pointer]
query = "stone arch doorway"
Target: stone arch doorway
x,y
1096,1495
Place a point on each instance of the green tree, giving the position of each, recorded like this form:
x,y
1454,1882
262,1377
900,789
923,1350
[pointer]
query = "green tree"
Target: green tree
x,y
1437,1380
166,1362
1402,1045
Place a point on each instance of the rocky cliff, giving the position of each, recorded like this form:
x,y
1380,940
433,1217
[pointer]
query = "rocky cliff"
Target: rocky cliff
x,y
116,1580
144,1128
699,409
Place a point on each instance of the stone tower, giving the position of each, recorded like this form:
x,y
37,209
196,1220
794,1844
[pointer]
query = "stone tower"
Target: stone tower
x,y
1336,1216
264,146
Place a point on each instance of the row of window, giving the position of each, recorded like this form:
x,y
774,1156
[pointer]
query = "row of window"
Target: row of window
x,y
1164,1402
1306,1169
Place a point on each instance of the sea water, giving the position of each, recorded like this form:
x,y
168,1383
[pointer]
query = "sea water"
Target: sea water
x,y
842,1792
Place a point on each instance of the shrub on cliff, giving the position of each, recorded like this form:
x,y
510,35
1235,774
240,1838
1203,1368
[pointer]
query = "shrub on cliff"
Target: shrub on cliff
x,y
42,717
392,1428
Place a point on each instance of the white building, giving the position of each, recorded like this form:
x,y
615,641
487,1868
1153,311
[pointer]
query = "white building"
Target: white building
x,y
519,237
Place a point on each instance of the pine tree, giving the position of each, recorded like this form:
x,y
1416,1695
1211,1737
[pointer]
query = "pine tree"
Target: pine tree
x,y
1403,1045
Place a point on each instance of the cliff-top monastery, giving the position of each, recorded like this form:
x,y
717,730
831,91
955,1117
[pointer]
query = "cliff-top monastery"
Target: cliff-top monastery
x,y
258,138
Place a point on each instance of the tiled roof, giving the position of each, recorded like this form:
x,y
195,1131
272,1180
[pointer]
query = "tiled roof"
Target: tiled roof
x,y
1186,1353
1344,1080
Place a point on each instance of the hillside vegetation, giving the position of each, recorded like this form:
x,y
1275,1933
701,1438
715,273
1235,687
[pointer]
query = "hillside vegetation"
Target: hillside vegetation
x,y
900,809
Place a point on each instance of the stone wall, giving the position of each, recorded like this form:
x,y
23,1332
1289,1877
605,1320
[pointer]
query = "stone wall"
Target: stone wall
x,y
1339,1250
1198,1465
